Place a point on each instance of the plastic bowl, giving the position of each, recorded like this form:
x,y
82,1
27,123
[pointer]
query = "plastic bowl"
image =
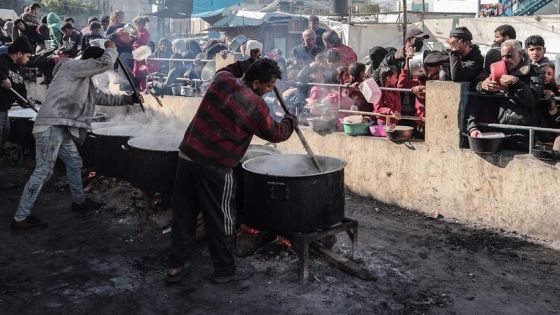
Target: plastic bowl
x,y
359,129
377,130
497,70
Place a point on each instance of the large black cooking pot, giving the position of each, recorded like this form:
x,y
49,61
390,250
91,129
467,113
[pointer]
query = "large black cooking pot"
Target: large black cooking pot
x,y
87,149
286,193
254,150
21,126
111,159
153,162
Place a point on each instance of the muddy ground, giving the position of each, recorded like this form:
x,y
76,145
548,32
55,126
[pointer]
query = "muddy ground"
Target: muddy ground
x,y
111,261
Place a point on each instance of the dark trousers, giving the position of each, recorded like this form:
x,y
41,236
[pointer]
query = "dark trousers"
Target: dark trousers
x,y
210,190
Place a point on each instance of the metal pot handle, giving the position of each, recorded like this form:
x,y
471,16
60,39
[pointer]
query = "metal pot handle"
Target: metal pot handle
x,y
279,184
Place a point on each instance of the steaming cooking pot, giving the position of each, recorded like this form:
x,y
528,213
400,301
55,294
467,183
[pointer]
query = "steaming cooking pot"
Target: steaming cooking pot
x,y
110,158
254,150
153,162
87,149
21,126
285,193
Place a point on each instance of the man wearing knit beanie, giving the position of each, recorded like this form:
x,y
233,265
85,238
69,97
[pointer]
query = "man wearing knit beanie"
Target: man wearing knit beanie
x,y
465,59
10,77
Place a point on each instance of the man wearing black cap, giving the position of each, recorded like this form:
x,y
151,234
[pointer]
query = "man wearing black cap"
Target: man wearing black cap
x,y
10,77
465,59
64,117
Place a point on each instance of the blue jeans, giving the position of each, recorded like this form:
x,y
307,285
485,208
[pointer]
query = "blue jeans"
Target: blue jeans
x,y
51,143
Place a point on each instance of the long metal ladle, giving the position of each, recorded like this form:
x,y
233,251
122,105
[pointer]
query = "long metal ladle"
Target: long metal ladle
x,y
23,99
299,133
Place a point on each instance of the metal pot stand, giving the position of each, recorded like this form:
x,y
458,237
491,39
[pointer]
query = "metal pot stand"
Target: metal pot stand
x,y
302,242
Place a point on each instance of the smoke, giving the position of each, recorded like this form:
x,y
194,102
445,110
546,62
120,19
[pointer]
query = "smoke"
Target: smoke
x,y
161,128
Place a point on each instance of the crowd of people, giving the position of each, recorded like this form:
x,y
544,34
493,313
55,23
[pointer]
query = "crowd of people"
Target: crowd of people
x,y
527,90
320,58
234,107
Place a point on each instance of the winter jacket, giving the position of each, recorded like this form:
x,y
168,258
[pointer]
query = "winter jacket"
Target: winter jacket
x,y
467,68
519,106
228,116
303,53
347,54
9,70
388,104
72,95
70,44
420,101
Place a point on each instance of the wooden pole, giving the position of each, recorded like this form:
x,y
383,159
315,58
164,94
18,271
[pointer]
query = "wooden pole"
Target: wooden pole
x,y
404,21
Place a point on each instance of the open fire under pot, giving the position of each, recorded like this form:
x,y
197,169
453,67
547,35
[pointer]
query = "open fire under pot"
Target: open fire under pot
x,y
285,194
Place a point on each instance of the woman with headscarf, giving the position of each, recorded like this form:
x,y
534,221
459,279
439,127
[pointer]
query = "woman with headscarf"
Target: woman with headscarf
x,y
163,51
55,29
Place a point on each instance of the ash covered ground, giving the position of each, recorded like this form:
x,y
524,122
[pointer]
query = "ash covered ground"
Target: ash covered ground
x,y
111,261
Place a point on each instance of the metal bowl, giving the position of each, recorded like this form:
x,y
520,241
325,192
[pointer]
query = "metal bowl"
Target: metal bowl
x,y
208,71
490,142
399,133
237,41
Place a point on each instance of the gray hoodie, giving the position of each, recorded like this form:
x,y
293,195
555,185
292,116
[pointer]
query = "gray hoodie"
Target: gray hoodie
x,y
72,95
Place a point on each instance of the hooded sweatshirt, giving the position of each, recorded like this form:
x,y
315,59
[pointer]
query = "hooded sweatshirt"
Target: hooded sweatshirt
x,y
54,23
72,95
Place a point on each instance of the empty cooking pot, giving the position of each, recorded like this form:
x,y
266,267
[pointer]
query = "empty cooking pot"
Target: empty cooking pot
x,y
487,142
399,133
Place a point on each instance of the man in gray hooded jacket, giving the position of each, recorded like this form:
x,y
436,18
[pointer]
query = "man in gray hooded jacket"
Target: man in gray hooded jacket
x,y
65,115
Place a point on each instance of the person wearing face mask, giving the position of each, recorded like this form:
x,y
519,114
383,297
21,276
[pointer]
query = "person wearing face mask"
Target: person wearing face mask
x,y
230,114
522,87
253,51
465,59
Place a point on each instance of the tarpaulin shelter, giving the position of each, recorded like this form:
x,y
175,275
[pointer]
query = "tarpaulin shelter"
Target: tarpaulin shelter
x,y
196,8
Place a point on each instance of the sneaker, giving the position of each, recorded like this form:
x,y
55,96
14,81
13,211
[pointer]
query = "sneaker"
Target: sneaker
x,y
87,205
241,273
28,223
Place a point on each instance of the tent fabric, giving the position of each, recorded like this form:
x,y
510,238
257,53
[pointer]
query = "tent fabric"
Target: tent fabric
x,y
211,17
8,14
250,18
204,6
169,14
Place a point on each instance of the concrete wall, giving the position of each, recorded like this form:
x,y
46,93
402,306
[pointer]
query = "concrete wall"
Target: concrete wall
x,y
516,193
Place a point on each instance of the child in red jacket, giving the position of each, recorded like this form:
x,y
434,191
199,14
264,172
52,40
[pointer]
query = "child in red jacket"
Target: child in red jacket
x,y
390,102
